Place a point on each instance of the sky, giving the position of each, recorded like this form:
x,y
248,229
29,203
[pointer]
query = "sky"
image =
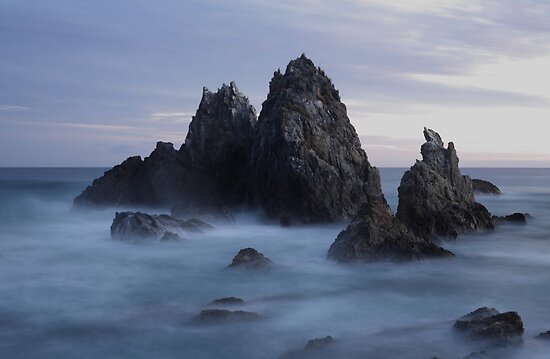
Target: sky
x,y
89,83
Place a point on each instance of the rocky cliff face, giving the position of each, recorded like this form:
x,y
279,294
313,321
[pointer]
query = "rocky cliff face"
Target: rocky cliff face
x,y
206,169
306,160
376,235
435,199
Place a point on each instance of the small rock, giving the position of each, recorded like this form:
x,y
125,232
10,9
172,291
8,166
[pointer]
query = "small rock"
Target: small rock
x,y
139,225
545,335
228,301
319,343
485,187
515,218
489,323
250,258
222,315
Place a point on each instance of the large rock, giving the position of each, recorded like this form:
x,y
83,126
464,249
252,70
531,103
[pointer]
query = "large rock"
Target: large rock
x,y
251,259
206,170
138,225
376,235
490,324
306,161
485,187
435,199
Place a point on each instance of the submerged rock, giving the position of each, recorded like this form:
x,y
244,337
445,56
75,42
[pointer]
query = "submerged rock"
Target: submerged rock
x,y
489,323
227,301
138,225
485,187
306,160
319,343
250,258
376,235
515,218
544,336
213,316
435,199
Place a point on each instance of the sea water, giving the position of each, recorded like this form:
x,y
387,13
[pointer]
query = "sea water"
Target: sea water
x,y
67,290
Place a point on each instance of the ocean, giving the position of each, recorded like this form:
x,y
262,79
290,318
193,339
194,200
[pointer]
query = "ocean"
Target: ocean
x,y
67,290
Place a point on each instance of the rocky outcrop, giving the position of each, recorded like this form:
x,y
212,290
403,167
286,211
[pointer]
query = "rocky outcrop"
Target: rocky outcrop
x,y
138,225
250,258
319,343
206,170
490,324
216,316
306,160
376,235
515,218
435,199
485,187
227,301
544,336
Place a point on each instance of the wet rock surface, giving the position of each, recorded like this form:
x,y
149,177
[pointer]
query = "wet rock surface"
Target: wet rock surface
x,y
139,225
250,258
376,235
306,160
435,199
485,187
515,218
218,316
490,324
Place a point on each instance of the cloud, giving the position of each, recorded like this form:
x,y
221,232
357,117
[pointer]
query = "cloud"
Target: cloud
x,y
13,108
171,116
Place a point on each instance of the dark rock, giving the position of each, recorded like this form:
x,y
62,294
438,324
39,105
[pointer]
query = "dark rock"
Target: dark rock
x,y
136,225
222,315
170,237
228,301
319,343
220,137
306,160
376,235
204,171
545,335
250,258
516,218
488,323
435,199
485,187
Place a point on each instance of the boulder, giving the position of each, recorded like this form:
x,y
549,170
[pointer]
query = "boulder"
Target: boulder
x,y
222,315
544,336
490,324
306,160
515,218
227,301
485,187
138,225
376,235
435,199
251,259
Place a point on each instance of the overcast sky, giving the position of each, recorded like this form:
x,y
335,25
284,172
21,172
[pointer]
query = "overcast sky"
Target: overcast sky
x,y
89,83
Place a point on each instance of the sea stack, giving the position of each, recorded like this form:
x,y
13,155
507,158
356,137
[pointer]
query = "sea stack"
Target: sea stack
x,y
435,199
306,161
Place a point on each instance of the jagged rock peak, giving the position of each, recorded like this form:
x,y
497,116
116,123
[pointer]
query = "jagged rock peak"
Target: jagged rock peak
x,y
306,160
435,199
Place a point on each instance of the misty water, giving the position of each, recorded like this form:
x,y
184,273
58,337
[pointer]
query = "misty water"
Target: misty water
x,y
67,290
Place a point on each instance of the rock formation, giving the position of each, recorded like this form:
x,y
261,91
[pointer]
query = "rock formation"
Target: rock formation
x,y
138,225
376,235
206,170
227,301
435,199
485,187
251,259
490,324
216,316
515,218
306,160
